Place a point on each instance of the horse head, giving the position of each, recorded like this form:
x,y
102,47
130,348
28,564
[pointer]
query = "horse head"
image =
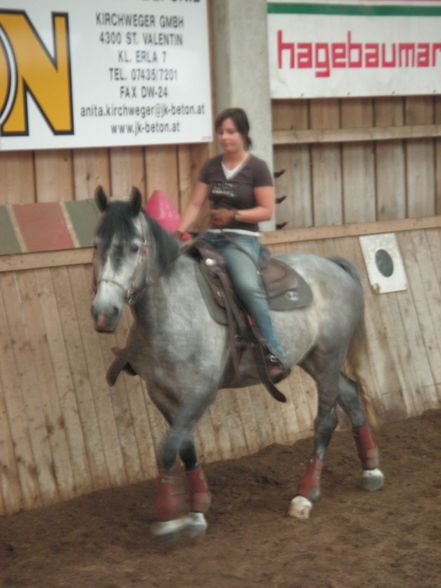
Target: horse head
x,y
120,262
131,252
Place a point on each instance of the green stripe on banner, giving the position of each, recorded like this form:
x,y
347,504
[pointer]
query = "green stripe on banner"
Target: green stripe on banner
x,y
352,9
8,241
84,217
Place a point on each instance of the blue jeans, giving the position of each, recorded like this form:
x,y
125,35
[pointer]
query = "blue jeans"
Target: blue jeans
x,y
242,263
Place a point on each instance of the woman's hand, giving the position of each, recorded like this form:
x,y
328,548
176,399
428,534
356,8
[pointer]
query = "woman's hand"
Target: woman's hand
x,y
182,235
222,216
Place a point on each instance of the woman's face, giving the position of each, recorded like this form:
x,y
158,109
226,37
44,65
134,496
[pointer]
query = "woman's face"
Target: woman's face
x,y
229,137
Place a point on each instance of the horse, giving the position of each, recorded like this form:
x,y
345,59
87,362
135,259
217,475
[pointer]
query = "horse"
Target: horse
x,y
183,354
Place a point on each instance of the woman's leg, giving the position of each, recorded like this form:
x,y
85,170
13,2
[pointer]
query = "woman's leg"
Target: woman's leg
x,y
242,255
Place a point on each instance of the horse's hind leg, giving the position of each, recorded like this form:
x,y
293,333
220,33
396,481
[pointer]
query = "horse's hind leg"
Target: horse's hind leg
x,y
308,491
349,400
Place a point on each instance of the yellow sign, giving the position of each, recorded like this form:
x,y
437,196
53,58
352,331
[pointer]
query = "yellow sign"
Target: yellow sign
x,y
29,68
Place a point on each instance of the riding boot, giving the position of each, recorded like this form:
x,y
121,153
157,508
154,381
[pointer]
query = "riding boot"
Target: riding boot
x,y
275,368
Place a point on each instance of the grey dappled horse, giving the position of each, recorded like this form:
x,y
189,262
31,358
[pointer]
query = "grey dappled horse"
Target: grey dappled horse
x,y
182,353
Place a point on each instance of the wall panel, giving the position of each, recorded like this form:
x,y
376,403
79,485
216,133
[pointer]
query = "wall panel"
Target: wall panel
x,y
437,161
371,158
419,157
59,175
157,160
91,168
54,179
295,183
326,166
17,177
358,162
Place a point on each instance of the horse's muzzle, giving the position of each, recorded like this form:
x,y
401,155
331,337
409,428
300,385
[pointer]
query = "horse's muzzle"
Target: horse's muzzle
x,y
105,322
102,323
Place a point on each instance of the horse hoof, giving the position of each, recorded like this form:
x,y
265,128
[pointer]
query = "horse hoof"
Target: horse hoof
x,y
196,525
168,533
372,480
300,507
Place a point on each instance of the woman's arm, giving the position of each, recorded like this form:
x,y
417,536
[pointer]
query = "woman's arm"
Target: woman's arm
x,y
263,210
193,209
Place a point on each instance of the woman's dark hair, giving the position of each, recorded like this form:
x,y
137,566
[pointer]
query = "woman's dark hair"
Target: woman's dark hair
x,y
240,120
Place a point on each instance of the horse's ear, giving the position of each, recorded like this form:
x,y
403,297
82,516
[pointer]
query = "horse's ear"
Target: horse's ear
x,y
135,201
101,199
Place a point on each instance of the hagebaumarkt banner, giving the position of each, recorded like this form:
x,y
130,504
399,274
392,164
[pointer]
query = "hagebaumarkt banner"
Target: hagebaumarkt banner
x,y
338,49
77,73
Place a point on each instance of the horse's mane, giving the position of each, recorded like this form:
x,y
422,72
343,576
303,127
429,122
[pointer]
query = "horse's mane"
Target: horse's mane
x,y
167,247
118,219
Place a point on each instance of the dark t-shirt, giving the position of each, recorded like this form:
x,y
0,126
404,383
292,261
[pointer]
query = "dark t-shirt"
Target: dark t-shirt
x,y
238,191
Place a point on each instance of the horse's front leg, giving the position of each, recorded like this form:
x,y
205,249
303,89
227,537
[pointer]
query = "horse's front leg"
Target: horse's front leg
x,y
181,507
199,495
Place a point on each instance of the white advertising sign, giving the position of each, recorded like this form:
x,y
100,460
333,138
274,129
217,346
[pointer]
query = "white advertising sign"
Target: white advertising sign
x,y
103,73
352,48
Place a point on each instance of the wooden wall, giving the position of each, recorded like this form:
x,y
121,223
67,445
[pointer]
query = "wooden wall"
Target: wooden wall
x,y
47,176
64,432
357,159
346,161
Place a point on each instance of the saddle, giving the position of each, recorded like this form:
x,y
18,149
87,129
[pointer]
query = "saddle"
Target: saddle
x,y
285,288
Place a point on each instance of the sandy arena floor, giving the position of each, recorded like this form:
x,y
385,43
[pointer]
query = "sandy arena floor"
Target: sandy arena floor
x,y
353,540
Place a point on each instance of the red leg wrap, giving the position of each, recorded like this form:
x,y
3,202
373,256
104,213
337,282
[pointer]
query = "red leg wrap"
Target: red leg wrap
x,y
200,497
366,447
309,487
170,500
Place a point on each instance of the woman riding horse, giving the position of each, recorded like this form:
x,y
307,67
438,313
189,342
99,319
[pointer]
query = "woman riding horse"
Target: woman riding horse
x,y
240,188
183,354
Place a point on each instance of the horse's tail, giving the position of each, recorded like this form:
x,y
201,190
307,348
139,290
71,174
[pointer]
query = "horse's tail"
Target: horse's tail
x,y
357,348
347,266
357,351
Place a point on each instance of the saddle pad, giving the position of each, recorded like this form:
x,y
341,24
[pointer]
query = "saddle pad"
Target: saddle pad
x,y
285,288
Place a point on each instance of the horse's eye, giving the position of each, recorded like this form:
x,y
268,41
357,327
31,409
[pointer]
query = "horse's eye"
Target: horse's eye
x,y
134,248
